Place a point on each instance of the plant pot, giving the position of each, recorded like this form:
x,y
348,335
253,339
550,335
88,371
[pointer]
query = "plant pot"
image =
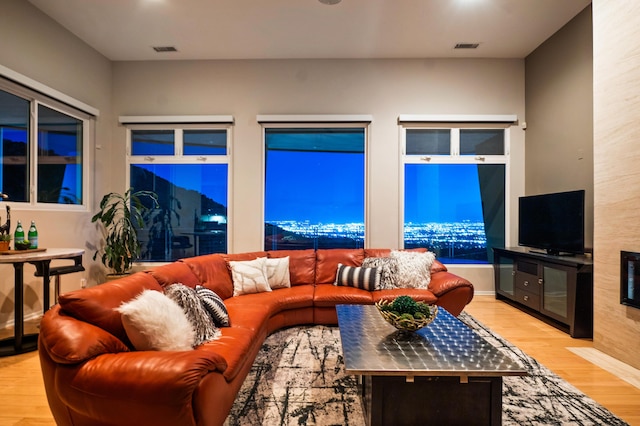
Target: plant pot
x,y
113,277
4,245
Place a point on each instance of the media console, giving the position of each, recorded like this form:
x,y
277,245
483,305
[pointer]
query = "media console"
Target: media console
x,y
557,289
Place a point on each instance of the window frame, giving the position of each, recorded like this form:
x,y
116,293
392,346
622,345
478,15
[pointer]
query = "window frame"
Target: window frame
x,y
64,106
318,122
455,124
179,124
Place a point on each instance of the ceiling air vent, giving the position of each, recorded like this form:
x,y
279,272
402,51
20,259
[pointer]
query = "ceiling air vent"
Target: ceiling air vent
x,y
467,45
165,49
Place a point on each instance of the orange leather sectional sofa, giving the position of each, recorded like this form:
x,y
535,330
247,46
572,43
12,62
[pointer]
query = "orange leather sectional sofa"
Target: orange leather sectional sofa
x,y
93,376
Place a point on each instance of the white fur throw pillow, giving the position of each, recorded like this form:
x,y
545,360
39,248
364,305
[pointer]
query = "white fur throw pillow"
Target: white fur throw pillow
x,y
414,268
186,297
249,276
278,272
155,322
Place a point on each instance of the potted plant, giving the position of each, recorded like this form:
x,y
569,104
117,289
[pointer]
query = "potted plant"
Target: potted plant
x,y
121,215
5,240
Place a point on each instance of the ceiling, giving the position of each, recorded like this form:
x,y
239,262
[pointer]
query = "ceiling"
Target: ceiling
x,y
124,30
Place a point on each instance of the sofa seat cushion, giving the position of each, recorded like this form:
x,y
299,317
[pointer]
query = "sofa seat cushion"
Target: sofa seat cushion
x,y
252,316
300,296
327,295
238,346
421,295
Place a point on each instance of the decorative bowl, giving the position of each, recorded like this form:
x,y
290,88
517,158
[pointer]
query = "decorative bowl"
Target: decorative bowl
x,y
405,322
22,245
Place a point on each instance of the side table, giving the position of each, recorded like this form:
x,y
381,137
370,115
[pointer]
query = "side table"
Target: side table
x,y
21,343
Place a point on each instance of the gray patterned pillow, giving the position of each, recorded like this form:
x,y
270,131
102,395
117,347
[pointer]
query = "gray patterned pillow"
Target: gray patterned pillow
x,y
414,269
389,270
188,300
214,305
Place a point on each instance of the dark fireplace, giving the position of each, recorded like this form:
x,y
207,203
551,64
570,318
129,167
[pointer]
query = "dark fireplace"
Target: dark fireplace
x,y
630,278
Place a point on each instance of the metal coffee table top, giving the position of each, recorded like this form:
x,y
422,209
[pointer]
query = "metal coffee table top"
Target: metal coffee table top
x,y
446,347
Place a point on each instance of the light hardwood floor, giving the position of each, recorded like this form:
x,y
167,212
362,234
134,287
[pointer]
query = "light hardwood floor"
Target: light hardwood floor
x,y
23,401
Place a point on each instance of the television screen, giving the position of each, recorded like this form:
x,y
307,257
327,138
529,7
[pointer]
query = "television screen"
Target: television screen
x,y
552,222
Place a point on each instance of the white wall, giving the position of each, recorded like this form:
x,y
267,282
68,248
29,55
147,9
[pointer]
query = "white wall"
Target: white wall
x,y
559,102
383,88
35,46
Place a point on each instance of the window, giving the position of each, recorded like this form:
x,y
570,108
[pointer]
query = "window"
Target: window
x,y
53,156
454,180
314,187
187,167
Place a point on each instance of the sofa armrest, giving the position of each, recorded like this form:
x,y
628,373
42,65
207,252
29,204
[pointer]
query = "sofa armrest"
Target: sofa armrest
x,y
68,340
444,281
159,384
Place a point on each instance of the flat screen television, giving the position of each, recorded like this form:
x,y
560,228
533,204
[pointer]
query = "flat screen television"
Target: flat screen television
x,y
552,222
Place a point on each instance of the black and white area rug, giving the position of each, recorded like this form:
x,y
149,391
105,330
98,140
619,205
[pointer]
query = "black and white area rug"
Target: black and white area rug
x,y
298,379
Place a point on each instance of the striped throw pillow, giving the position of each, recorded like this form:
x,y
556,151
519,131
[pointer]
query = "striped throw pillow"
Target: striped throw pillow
x,y
214,305
358,277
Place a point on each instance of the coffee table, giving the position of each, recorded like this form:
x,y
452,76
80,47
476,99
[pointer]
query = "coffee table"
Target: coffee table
x,y
444,373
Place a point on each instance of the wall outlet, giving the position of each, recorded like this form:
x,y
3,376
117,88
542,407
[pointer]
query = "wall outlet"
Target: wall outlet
x,y
83,282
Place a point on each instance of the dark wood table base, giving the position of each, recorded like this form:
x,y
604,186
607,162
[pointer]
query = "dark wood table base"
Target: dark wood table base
x,y
391,400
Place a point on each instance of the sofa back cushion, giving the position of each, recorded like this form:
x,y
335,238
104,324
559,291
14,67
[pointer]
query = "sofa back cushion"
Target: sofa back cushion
x,y
213,273
327,262
96,305
245,256
176,272
302,265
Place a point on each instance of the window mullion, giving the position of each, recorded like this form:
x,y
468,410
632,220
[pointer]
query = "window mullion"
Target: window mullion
x,y
455,142
179,142
33,159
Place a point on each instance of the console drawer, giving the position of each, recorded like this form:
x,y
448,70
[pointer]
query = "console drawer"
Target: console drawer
x,y
527,298
528,283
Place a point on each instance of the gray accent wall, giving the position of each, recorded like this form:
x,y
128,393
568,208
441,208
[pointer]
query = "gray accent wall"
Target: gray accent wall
x,y
559,115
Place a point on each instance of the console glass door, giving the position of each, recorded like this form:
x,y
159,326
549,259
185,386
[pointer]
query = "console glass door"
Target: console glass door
x,y
555,291
505,275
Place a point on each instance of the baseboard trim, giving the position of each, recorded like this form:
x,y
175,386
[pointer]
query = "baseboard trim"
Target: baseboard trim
x,y
608,363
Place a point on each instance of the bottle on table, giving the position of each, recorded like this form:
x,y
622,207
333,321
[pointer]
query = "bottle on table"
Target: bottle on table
x,y
33,235
18,236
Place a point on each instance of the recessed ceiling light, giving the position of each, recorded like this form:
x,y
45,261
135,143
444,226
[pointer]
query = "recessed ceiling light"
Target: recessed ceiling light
x,y
330,2
165,49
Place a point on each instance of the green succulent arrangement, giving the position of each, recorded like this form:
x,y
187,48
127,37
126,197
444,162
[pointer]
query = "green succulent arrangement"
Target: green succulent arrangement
x,y
405,313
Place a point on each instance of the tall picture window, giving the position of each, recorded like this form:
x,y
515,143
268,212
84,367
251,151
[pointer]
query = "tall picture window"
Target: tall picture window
x,y
314,187
454,181
187,167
